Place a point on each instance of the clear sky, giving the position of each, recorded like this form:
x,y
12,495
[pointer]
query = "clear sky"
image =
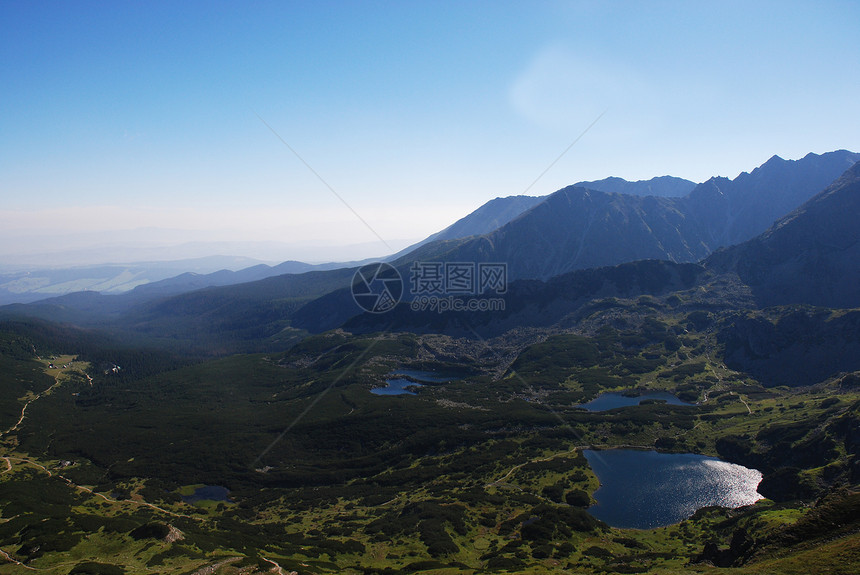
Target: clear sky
x,y
146,116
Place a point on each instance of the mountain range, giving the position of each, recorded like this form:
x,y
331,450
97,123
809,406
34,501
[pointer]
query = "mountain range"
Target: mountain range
x,y
577,228
22,285
538,238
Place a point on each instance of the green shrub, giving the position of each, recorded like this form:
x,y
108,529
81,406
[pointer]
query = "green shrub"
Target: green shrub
x,y
577,498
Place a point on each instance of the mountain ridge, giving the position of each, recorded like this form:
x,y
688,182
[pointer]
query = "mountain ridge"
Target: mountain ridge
x,y
576,228
664,186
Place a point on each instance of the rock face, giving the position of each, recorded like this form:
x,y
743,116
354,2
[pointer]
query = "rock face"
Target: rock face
x,y
157,530
810,256
174,535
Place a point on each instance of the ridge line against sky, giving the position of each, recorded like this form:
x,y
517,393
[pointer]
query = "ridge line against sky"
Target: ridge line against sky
x,y
125,117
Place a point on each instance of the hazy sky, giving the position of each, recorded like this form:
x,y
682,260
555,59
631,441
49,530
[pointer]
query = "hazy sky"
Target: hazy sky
x,y
142,115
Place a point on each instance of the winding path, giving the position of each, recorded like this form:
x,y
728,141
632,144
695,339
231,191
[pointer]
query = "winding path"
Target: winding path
x,y
513,469
10,559
57,383
275,567
23,460
747,405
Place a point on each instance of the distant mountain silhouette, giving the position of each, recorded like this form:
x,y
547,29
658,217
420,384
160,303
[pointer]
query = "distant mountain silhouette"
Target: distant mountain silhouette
x,y
28,285
665,186
191,281
810,256
216,319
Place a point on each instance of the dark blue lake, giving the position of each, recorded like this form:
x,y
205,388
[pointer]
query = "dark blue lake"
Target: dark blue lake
x,y
208,493
613,400
397,385
646,489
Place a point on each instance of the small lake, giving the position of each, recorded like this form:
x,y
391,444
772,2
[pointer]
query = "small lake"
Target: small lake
x,y
208,493
614,400
647,489
396,386
398,382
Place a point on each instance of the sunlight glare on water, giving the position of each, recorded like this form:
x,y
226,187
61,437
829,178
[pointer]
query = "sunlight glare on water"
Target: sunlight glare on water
x,y
646,489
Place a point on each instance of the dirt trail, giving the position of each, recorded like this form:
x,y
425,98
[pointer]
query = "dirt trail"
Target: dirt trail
x,y
277,568
742,400
9,558
534,460
57,382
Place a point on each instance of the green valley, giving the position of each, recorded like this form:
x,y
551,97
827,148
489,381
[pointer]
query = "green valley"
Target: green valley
x,y
481,474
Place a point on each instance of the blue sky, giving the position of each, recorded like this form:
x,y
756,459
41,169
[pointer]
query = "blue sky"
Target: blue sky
x,y
120,116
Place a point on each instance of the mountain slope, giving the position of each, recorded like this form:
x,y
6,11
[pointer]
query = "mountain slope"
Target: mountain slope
x,y
485,219
810,256
576,228
529,303
489,217
219,319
